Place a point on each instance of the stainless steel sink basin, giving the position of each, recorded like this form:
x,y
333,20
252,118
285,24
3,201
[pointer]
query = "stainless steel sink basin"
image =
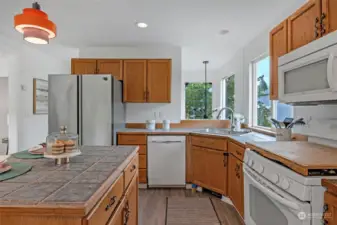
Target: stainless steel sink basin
x,y
224,131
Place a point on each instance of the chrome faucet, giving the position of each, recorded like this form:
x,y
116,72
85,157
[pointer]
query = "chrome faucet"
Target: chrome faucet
x,y
232,116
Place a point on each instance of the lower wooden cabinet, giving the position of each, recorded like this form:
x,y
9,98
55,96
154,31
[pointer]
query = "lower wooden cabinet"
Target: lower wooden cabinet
x,y
330,208
210,169
235,183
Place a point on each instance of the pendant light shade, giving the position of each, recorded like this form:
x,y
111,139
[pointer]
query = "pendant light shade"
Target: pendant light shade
x,y
35,25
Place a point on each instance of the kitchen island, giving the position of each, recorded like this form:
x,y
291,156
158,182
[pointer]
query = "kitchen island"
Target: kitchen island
x,y
98,187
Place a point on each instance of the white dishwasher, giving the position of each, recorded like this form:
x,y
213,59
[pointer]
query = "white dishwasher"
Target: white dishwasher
x,y
166,161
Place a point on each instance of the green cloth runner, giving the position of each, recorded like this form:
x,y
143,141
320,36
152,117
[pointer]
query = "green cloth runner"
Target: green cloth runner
x,y
18,169
26,155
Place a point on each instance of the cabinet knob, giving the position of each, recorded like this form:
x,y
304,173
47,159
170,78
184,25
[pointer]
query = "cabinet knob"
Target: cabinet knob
x,y
323,30
133,168
127,213
111,203
325,208
317,27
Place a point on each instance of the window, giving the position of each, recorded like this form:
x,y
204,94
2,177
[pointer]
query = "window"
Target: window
x,y
228,94
263,108
195,100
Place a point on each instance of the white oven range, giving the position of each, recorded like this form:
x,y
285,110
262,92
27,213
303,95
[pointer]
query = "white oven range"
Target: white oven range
x,y
276,195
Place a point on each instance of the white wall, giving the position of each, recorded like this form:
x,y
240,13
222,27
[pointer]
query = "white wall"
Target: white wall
x,y
140,112
23,63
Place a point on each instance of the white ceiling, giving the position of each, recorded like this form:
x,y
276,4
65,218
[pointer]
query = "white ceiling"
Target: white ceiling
x,y
192,24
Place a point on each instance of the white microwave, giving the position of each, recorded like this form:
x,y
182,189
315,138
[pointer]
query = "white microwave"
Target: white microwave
x,y
308,75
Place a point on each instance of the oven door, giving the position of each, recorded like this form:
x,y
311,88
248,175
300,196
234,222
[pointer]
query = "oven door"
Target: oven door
x,y
266,204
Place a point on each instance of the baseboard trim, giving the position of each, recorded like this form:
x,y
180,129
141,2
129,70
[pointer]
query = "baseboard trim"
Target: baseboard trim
x,y
142,186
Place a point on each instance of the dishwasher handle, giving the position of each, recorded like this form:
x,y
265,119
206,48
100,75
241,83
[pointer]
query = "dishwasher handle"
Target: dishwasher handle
x,y
167,142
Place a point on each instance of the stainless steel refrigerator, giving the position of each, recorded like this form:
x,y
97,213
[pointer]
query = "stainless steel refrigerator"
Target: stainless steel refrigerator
x,y
89,105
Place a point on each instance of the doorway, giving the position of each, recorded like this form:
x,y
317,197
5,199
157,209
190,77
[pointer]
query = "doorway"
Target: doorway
x,y
3,114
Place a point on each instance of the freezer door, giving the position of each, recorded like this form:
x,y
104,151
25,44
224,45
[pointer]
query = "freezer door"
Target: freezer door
x,y
96,110
62,103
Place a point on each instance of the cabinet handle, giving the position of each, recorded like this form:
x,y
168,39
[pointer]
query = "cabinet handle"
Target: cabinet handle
x,y
323,30
325,208
133,168
317,27
225,159
325,222
111,203
127,213
237,152
145,95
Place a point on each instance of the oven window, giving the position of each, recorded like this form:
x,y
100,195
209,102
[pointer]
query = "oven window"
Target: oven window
x,y
311,77
262,210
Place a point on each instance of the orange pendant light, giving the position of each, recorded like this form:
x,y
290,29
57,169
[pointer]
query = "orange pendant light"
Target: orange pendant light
x,y
35,25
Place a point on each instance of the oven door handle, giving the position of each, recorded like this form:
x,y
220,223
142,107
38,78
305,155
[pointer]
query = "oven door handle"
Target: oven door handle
x,y
330,76
271,194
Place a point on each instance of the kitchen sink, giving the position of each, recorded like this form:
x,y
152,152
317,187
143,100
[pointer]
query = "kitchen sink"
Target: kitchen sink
x,y
224,131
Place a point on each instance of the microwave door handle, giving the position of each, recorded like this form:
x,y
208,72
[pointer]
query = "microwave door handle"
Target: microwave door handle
x,y
330,77
271,194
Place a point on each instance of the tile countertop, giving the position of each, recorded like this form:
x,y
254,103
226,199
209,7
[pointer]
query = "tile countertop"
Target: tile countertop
x,y
66,185
248,137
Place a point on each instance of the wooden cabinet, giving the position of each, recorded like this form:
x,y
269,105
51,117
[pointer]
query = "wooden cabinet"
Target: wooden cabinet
x,y
199,166
141,141
217,171
329,11
303,25
209,166
98,66
330,208
235,183
159,81
131,204
110,66
134,81
83,66
278,47
147,81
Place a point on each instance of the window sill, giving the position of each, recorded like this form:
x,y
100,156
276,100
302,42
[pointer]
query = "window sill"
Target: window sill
x,y
264,130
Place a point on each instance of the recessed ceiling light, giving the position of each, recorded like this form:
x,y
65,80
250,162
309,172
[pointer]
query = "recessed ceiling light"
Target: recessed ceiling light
x,y
223,32
141,25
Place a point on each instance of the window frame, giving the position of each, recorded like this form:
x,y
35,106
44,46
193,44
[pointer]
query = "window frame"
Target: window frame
x,y
253,98
223,98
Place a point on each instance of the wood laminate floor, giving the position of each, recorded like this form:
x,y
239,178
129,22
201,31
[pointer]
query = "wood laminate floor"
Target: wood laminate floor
x,y
153,206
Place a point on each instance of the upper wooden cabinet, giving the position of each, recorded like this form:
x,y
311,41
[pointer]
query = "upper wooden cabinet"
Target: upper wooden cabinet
x,y
329,9
278,47
159,81
134,81
303,25
147,81
110,66
83,66
98,66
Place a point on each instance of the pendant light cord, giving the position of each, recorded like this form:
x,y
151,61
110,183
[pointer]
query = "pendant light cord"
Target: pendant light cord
x,y
205,101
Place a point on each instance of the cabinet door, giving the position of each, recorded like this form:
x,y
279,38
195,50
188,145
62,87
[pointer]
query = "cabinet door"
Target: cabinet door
x,y
83,66
134,81
217,171
330,208
118,215
111,66
199,165
329,9
159,81
301,25
235,183
278,47
131,203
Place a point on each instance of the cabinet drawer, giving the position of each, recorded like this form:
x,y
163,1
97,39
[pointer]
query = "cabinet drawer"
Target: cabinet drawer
x,y
130,171
131,139
142,176
208,142
236,150
142,162
142,150
102,212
